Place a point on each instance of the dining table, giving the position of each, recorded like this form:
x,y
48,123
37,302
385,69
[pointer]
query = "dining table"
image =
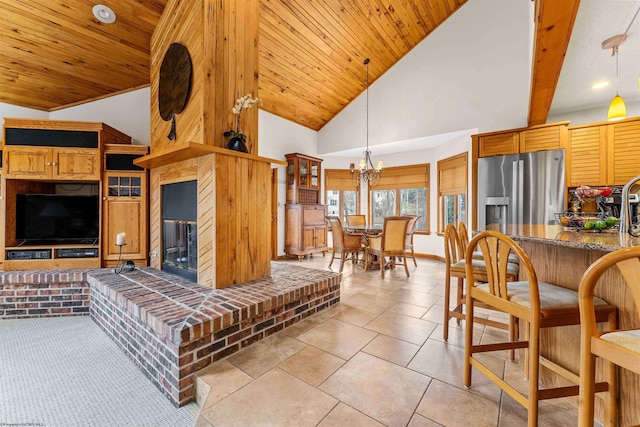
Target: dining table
x,y
366,231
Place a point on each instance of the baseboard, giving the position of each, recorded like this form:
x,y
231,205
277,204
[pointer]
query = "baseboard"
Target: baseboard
x,y
430,256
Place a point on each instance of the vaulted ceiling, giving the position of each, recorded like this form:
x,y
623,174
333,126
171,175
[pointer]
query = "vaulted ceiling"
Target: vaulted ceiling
x,y
55,53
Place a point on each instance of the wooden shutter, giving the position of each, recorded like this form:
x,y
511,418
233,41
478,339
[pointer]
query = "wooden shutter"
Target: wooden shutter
x,y
339,180
414,176
452,175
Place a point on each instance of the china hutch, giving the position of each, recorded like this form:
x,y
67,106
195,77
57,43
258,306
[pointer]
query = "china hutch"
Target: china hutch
x,y
305,223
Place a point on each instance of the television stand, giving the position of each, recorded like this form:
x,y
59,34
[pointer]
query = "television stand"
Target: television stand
x,y
51,257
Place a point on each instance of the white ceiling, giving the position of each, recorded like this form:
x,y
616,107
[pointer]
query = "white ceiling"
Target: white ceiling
x,y
586,62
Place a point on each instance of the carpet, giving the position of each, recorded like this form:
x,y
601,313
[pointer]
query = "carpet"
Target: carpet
x,y
66,372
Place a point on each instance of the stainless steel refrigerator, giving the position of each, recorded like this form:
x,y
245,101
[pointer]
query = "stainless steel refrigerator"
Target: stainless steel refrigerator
x,y
526,188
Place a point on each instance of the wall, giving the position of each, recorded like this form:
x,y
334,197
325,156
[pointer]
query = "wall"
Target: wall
x,y
128,112
278,137
592,115
13,111
472,72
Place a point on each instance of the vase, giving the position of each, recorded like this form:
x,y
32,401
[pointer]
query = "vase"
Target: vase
x,y
237,144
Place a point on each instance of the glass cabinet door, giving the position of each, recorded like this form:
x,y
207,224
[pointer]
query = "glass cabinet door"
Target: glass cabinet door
x,y
290,172
315,168
304,173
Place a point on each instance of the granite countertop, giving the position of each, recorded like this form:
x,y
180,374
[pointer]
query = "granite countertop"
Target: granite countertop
x,y
606,241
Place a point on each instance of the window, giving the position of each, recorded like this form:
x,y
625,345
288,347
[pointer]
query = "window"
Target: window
x,y
402,191
343,197
452,191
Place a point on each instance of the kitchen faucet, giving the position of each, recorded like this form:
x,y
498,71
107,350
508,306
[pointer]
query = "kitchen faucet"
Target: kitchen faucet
x,y
626,223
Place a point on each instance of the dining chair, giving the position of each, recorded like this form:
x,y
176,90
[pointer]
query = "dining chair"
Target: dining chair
x,y
535,304
614,347
344,243
455,267
390,243
356,220
411,228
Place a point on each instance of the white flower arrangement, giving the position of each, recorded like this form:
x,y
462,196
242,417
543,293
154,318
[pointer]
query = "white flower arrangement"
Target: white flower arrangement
x,y
242,103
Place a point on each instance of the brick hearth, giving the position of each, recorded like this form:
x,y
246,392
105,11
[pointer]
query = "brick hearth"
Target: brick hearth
x,y
169,327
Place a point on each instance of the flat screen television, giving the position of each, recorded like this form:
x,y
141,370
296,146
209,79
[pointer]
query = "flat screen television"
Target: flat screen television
x,y
57,218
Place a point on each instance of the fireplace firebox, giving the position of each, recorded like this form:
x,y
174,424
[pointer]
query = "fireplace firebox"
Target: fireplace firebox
x,y
180,229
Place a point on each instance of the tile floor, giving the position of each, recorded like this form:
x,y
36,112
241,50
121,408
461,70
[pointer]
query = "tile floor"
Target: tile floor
x,y
376,358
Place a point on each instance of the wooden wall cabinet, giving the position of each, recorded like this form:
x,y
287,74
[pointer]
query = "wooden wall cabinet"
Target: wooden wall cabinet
x,y
303,178
306,229
603,153
124,205
586,151
527,140
39,155
65,164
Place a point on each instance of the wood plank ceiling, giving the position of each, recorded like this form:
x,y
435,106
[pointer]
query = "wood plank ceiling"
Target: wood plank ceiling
x,y
55,53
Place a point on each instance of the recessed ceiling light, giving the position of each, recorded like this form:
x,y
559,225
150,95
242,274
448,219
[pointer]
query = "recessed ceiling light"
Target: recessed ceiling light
x,y
104,14
600,85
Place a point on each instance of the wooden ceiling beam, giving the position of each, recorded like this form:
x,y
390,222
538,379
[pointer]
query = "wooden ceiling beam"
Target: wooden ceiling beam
x,y
554,21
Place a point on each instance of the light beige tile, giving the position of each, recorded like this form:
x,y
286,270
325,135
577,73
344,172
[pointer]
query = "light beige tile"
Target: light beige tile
x,y
201,421
344,415
355,317
409,309
392,349
406,328
380,389
513,414
414,297
435,313
223,379
259,357
338,338
298,328
451,406
276,398
445,362
369,303
419,421
456,334
312,365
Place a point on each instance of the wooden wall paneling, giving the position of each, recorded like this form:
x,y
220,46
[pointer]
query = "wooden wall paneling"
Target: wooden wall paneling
x,y
155,224
206,221
225,232
181,22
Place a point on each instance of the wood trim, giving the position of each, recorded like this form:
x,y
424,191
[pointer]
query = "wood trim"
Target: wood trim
x,y
192,150
553,26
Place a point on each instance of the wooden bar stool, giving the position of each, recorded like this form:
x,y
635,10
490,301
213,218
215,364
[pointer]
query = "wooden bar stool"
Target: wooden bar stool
x,y
537,304
455,267
614,347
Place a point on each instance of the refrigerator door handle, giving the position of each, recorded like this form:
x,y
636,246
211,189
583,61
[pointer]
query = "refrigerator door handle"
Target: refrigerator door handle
x,y
518,188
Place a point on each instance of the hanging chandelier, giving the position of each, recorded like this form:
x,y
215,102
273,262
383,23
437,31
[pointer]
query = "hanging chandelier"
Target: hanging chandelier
x,y
366,172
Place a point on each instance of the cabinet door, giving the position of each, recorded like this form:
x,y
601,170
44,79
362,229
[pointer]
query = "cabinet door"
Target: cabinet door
x,y
544,138
586,156
76,164
124,210
308,238
27,162
303,173
498,144
623,156
315,176
321,237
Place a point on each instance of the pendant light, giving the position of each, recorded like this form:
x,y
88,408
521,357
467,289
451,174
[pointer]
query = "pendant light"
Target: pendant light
x,y
366,171
617,109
